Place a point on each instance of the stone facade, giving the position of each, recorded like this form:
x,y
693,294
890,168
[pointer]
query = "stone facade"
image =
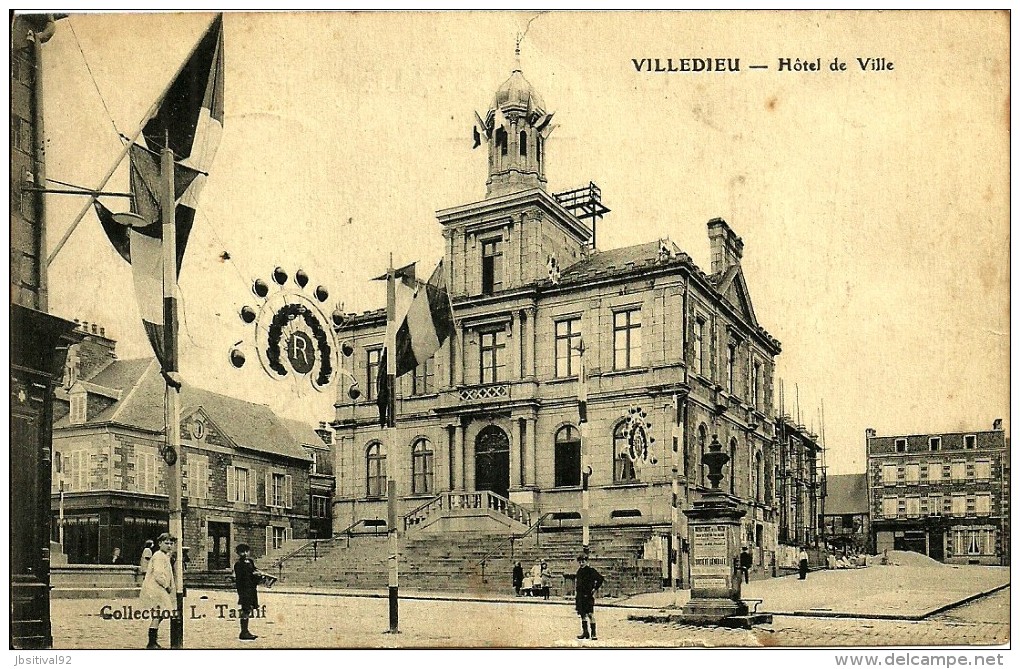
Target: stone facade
x,y
497,407
945,495
113,479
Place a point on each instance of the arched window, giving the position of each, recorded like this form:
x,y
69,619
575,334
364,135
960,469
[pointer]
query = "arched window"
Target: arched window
x,y
623,466
702,445
568,457
501,140
524,143
733,466
422,467
375,469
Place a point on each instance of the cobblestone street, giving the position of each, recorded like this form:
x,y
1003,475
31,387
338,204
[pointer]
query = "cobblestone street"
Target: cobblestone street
x,y
336,621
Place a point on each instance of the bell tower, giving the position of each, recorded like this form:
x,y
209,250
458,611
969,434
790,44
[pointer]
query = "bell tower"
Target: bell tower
x,y
515,131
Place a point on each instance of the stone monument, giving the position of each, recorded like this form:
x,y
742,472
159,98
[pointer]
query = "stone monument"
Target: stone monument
x,y
714,536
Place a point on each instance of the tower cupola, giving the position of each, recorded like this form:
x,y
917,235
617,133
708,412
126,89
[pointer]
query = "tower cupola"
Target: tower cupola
x,y
514,130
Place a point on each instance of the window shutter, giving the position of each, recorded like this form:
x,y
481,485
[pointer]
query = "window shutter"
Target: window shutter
x,y
290,534
269,538
269,489
253,488
231,484
289,487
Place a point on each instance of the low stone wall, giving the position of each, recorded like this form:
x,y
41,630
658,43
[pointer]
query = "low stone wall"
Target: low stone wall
x,y
94,581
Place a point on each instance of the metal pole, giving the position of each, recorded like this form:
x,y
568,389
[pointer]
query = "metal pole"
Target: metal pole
x,y
586,471
60,528
171,397
391,484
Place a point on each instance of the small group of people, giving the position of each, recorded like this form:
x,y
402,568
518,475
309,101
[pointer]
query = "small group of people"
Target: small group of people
x,y
845,561
159,589
539,581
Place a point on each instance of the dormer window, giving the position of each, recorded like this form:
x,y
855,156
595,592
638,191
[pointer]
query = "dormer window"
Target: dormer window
x,y
79,404
492,266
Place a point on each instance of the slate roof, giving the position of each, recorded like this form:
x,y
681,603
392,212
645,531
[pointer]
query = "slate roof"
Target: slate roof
x,y
252,426
846,494
619,261
304,433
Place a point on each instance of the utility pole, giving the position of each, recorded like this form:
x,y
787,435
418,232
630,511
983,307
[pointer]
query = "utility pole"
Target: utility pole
x,y
586,470
171,397
391,484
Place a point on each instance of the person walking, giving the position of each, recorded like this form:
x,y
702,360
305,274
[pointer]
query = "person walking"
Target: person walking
x,y
746,562
147,550
803,566
159,588
518,578
586,584
246,579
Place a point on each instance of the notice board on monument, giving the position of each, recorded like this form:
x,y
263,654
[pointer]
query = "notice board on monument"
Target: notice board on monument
x,y
785,232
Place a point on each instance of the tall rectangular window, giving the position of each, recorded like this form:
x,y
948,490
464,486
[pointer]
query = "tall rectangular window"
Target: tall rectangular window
x,y
731,361
423,378
145,472
913,507
627,339
492,358
568,357
755,380
983,470
320,506
958,471
280,491
901,445
983,504
912,473
374,359
888,507
492,266
959,504
699,346
889,474
239,485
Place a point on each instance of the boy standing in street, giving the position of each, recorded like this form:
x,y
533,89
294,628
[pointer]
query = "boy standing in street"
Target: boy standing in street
x,y
586,584
246,579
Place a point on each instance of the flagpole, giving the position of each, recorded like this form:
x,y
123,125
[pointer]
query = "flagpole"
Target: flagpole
x,y
172,407
586,471
391,442
124,151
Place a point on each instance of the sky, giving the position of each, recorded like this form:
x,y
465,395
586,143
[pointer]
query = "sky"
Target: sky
x,y
874,205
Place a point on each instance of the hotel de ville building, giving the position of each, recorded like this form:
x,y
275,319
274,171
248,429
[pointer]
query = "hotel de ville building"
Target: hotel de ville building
x,y
487,431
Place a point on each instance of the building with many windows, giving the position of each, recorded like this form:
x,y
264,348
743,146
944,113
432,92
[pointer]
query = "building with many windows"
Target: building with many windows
x,y
669,351
945,495
801,484
246,476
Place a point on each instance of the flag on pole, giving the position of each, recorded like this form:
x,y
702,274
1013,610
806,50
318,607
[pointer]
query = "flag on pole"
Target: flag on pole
x,y
190,118
427,325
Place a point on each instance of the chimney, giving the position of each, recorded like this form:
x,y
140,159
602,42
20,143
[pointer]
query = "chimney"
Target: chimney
x,y
95,352
870,433
727,248
997,424
325,433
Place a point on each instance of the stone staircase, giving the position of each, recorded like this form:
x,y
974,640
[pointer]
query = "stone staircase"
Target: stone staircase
x,y
454,562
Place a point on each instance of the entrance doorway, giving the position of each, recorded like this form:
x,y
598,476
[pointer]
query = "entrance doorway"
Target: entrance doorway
x,y
492,461
219,542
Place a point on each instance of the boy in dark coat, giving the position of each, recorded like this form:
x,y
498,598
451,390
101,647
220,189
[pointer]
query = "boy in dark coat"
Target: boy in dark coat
x,y
246,579
586,584
746,562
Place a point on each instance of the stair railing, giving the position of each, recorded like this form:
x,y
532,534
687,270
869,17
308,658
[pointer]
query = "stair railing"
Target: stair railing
x,y
513,539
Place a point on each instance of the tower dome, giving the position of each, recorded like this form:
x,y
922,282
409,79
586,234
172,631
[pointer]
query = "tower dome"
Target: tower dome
x,y
514,130
517,93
